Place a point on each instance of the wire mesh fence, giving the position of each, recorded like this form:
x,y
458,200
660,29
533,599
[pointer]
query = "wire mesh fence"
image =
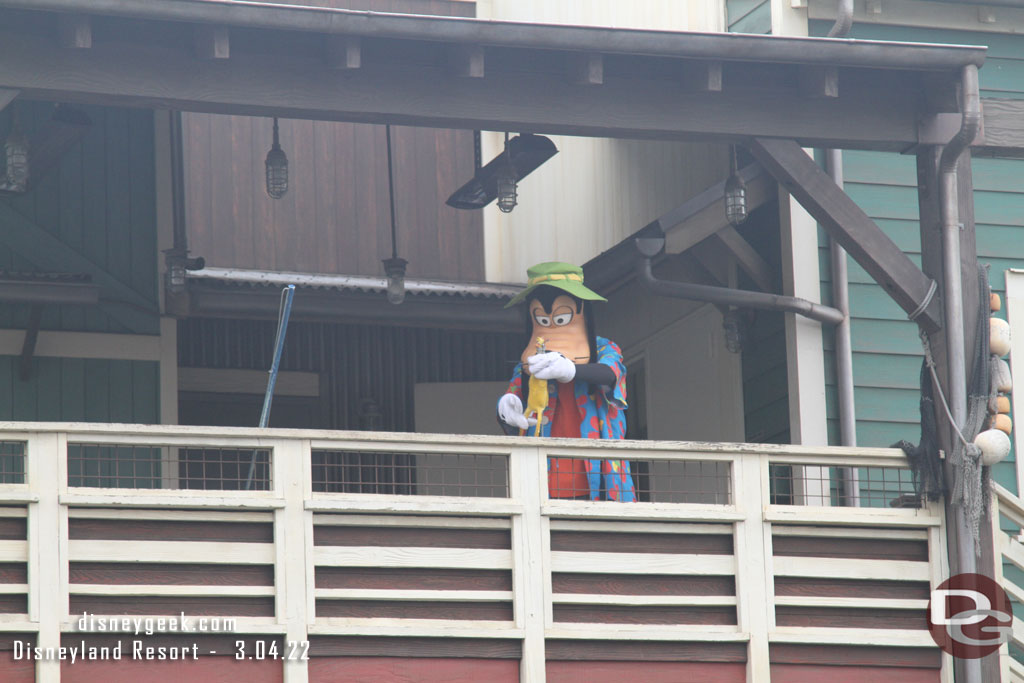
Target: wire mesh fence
x,y
475,475
168,467
823,485
12,462
654,481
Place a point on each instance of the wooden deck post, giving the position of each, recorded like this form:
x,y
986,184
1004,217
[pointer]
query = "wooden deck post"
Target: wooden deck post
x,y
530,536
931,264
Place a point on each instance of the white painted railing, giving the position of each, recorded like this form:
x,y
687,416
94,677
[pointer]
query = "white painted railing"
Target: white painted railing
x,y
775,556
1007,548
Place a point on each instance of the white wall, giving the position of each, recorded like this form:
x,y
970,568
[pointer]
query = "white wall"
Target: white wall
x,y
694,385
595,192
457,407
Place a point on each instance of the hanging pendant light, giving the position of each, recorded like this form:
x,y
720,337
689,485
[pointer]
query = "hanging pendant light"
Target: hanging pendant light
x,y
277,168
394,267
506,181
16,159
735,192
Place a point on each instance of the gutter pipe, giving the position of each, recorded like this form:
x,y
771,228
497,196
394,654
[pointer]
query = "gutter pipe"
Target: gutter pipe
x,y
845,401
952,294
651,246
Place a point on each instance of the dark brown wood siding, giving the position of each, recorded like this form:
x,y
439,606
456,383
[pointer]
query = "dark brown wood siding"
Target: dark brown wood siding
x,y
335,217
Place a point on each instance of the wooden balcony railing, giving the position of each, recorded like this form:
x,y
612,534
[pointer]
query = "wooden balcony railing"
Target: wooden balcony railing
x,y
456,554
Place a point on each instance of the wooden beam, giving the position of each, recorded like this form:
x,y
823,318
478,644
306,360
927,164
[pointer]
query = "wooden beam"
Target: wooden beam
x,y
819,81
880,114
212,42
702,76
344,52
7,96
466,61
586,68
703,215
747,258
74,31
849,225
1003,126
931,262
50,254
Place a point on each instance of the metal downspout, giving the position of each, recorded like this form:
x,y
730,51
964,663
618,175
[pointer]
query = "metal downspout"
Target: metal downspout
x,y
952,295
845,402
844,19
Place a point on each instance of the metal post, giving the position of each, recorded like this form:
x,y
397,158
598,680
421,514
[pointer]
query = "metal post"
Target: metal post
x,y
288,293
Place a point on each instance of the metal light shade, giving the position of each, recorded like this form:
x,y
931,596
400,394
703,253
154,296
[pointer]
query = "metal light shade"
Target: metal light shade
x,y
277,169
735,199
394,268
506,182
524,152
16,157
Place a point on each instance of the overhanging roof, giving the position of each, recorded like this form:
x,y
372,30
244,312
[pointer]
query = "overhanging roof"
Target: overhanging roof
x,y
729,46
469,73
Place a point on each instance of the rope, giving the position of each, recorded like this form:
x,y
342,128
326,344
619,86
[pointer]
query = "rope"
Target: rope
x,y
925,302
938,388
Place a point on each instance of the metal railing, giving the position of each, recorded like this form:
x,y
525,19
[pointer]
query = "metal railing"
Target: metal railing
x,y
353,534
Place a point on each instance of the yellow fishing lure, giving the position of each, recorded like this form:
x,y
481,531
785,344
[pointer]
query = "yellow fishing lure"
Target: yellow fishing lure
x,y
538,399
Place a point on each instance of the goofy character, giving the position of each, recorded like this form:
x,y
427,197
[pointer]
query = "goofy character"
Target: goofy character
x,y
578,380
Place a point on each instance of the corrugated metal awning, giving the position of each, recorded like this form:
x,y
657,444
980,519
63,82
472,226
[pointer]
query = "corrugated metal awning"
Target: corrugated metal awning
x,y
356,283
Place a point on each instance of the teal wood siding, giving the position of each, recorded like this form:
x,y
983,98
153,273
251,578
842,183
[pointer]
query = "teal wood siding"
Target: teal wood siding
x,y
748,16
80,390
96,213
886,349
100,203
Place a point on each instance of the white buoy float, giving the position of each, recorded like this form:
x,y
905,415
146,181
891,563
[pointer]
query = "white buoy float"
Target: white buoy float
x,y
999,336
994,445
1001,377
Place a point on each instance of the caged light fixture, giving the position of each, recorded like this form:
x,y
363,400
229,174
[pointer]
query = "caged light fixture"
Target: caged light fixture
x,y
735,192
394,267
277,168
16,160
506,180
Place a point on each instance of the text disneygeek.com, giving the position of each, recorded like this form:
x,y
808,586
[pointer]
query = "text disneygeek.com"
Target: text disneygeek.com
x,y
90,623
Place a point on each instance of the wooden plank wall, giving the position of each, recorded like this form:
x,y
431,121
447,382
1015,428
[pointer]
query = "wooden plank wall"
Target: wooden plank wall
x,y
335,216
80,389
765,379
99,201
357,362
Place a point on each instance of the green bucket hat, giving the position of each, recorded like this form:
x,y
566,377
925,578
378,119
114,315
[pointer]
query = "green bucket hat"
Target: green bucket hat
x,y
564,276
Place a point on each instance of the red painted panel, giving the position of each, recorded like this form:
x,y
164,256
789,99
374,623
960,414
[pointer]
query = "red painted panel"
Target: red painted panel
x,y
211,669
803,673
411,669
648,672
16,671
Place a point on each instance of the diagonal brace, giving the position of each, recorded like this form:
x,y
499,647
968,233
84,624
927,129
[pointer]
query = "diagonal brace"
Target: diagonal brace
x,y
847,223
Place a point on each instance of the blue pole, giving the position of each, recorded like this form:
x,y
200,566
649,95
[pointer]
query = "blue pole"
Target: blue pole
x,y
288,294
282,329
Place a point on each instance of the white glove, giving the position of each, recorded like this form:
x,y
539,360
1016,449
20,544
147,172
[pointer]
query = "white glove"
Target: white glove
x,y
552,365
510,411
